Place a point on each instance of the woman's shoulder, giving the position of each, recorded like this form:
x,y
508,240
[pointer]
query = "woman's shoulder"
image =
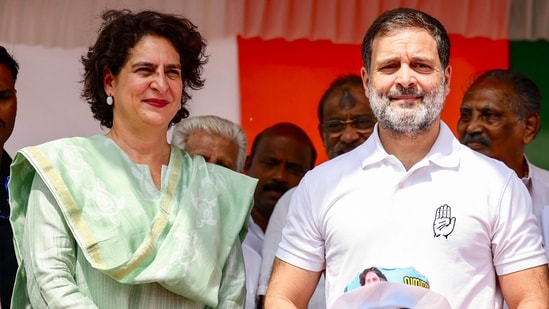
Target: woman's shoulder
x,y
68,141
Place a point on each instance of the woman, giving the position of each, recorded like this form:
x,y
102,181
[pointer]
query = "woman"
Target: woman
x,y
371,275
125,220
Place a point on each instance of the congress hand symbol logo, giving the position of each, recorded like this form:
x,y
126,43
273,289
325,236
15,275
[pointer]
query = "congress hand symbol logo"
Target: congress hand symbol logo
x,y
444,222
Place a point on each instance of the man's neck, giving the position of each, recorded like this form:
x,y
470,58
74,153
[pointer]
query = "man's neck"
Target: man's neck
x,y
409,148
260,220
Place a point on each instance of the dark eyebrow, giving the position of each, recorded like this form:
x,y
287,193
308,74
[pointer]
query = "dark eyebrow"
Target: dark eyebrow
x,y
174,66
148,64
421,59
142,64
389,60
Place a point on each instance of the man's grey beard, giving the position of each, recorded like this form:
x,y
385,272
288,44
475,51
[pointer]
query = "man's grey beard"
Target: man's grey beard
x,y
412,121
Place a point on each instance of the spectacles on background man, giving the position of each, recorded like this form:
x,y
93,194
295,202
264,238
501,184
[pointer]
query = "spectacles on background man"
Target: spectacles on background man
x,y
362,124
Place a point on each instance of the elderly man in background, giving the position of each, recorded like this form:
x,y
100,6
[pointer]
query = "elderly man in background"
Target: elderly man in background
x,y
217,139
499,116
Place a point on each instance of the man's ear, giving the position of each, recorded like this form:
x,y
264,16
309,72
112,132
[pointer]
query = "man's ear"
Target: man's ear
x,y
365,80
448,78
532,124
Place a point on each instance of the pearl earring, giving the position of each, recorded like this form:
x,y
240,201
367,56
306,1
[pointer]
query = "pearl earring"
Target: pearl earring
x,y
110,100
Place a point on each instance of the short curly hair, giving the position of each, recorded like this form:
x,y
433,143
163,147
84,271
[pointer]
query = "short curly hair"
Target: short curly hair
x,y
120,31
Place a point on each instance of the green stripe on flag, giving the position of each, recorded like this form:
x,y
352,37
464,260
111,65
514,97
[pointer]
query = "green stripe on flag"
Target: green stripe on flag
x,y
532,59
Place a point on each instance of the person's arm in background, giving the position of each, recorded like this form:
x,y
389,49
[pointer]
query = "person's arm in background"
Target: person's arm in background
x,y
290,286
49,254
273,234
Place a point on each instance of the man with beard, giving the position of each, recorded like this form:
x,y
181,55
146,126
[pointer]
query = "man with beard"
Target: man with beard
x,y
345,121
499,116
411,195
280,156
9,69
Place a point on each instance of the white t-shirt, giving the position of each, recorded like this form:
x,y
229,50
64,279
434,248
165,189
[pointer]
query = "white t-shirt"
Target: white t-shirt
x,y
251,249
538,186
273,234
448,217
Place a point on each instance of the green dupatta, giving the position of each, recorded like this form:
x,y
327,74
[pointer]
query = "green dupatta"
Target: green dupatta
x,y
178,236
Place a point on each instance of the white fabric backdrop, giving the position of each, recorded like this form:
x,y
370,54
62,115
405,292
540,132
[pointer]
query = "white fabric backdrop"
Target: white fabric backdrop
x,y
73,23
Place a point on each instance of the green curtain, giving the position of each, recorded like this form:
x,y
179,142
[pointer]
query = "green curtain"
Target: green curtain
x,y
532,59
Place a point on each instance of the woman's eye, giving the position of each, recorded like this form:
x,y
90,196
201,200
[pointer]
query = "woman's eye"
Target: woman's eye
x,y
174,73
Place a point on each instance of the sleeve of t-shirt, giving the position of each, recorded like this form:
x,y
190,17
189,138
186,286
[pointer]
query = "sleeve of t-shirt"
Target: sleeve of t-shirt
x,y
302,244
273,234
516,237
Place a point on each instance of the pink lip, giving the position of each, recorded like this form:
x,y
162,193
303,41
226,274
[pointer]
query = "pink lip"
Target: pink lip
x,y
156,102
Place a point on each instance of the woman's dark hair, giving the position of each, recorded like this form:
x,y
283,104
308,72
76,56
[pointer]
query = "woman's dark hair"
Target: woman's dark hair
x,y
120,31
378,272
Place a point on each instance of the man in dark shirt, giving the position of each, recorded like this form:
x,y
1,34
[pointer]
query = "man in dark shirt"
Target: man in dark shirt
x,y
8,109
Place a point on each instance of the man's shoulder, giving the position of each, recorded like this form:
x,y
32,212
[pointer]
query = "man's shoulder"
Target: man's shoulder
x,y
539,175
538,171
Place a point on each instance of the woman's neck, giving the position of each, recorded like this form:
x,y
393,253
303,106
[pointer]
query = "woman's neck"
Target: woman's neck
x,y
147,150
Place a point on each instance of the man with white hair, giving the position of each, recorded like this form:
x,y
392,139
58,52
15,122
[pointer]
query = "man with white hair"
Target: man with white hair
x,y
217,139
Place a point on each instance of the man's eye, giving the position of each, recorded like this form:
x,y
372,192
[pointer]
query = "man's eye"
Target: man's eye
x,y
296,170
143,70
422,68
364,123
269,163
335,126
389,68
